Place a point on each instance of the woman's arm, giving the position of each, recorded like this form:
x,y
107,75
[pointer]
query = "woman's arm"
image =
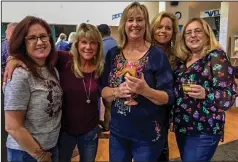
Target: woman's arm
x,y
14,125
110,94
16,101
162,93
13,63
139,86
223,90
158,97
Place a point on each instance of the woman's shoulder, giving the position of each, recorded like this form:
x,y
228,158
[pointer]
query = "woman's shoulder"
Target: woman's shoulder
x,y
63,58
112,53
63,54
217,53
21,72
157,53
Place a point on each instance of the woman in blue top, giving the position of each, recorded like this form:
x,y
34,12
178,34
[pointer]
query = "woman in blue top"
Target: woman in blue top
x,y
137,131
164,33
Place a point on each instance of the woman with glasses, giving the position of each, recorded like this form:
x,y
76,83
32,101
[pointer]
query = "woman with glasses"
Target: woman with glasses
x,y
164,32
33,101
79,73
204,90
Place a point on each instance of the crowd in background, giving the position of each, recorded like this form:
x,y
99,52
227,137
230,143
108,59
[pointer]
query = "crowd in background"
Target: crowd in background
x,y
152,79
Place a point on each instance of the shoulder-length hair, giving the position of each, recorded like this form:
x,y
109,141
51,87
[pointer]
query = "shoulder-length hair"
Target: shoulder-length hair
x,y
184,53
18,45
121,29
89,32
154,26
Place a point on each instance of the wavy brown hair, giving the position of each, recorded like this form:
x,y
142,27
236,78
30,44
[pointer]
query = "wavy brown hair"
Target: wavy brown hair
x,y
18,46
184,53
121,29
154,26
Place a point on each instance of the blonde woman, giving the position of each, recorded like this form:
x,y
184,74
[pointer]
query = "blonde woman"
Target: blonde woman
x,y
137,130
164,33
199,112
79,72
71,40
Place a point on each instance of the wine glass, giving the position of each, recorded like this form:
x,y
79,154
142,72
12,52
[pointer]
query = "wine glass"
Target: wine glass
x,y
130,68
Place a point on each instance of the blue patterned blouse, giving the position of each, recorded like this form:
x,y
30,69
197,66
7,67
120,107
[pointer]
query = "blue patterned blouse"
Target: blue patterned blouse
x,y
197,116
145,121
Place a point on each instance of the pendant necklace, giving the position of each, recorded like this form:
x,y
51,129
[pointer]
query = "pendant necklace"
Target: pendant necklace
x,y
87,94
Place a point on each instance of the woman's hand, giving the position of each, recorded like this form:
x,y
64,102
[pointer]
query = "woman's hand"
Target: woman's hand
x,y
47,157
122,91
197,91
136,85
10,67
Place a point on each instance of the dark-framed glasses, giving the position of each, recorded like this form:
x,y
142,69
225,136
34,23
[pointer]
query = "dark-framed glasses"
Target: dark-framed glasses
x,y
196,31
33,38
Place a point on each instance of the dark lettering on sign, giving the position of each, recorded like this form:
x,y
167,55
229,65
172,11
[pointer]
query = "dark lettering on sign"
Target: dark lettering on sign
x,y
212,13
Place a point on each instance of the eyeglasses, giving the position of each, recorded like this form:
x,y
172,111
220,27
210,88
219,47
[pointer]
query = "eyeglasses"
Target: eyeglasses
x,y
196,31
33,38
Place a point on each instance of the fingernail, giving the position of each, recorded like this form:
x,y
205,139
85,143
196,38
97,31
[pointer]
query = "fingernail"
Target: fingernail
x,y
8,80
4,83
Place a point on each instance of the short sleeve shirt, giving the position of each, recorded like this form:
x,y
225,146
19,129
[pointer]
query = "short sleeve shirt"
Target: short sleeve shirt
x,y
42,101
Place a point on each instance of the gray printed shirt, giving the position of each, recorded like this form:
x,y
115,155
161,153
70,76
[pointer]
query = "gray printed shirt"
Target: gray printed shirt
x,y
42,101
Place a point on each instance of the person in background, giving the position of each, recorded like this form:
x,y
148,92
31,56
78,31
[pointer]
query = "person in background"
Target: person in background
x,y
4,56
71,40
5,44
108,43
204,90
61,44
164,33
79,71
137,131
33,97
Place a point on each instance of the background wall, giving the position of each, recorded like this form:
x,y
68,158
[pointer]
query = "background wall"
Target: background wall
x,y
182,7
71,13
197,7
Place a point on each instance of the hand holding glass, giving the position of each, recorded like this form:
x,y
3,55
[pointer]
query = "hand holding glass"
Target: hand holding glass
x,y
186,86
131,70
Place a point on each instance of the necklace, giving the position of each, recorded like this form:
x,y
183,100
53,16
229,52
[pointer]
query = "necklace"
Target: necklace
x,y
87,94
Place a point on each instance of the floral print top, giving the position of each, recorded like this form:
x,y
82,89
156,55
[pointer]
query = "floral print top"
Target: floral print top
x,y
144,121
197,116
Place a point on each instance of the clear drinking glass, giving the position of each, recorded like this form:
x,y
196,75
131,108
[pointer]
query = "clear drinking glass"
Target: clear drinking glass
x,y
186,85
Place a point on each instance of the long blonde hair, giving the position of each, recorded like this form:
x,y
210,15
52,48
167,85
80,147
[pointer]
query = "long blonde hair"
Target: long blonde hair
x,y
121,29
90,32
184,53
154,26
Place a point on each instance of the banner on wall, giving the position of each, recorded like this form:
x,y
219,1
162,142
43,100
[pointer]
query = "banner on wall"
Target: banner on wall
x,y
210,13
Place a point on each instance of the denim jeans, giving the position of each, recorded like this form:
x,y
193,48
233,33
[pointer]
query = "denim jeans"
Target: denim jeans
x,y
200,148
87,145
124,150
22,156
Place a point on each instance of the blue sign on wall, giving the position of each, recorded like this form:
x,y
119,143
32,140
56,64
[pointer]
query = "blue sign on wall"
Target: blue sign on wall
x,y
115,16
210,13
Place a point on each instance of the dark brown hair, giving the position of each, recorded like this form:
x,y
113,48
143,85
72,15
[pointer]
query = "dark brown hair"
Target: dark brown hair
x,y
18,45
